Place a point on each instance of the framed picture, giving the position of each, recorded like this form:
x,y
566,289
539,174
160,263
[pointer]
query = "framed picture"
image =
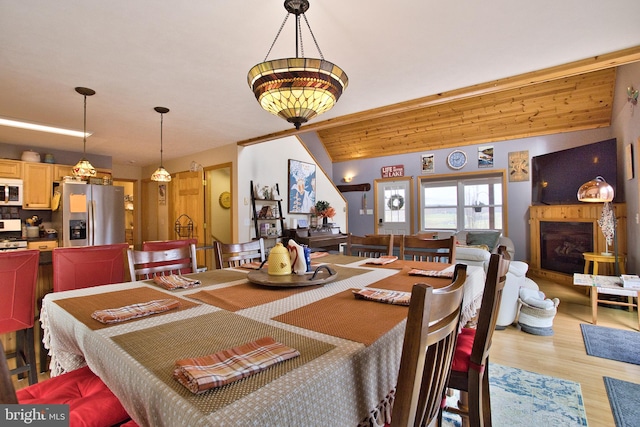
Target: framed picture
x,y
427,163
519,166
485,156
628,160
302,186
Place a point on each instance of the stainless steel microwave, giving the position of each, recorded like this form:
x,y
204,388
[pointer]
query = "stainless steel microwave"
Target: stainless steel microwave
x,y
11,192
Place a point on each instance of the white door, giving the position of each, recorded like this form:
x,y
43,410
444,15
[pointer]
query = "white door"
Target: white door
x,y
393,206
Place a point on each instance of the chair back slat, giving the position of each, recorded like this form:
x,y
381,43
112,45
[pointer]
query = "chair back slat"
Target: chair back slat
x,y
427,352
161,245
78,267
372,246
147,264
236,254
415,248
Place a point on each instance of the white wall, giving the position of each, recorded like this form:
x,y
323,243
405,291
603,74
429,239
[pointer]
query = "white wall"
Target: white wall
x,y
267,164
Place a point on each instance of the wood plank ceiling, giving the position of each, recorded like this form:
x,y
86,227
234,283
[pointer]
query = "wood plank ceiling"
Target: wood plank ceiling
x,y
577,102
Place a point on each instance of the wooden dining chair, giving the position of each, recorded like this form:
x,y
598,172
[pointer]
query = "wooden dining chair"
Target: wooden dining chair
x,y
427,352
90,401
236,254
18,278
435,250
161,245
371,246
470,369
78,267
147,264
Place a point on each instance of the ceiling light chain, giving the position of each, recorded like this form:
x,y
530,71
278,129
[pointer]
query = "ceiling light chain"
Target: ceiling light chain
x,y
84,168
161,174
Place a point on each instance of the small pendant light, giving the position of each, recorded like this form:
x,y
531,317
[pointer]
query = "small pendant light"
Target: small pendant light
x,y
83,168
161,174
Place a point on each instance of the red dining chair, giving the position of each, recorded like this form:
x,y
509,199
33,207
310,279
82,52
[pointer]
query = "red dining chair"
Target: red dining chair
x,y
470,369
18,278
91,403
79,267
427,352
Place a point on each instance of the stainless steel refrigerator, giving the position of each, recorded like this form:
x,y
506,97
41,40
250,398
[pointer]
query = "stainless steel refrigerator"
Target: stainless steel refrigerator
x,y
89,215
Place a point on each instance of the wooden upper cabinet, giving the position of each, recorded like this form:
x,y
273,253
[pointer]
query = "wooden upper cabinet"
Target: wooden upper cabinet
x,y
60,171
10,169
37,186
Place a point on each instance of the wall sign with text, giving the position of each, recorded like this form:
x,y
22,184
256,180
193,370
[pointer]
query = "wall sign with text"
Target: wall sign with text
x,y
392,171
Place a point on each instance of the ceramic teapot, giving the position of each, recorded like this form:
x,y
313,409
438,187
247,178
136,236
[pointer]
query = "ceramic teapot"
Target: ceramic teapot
x,y
279,261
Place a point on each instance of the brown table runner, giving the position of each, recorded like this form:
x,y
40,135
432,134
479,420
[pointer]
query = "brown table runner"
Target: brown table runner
x,y
82,307
402,263
339,259
246,295
158,348
342,315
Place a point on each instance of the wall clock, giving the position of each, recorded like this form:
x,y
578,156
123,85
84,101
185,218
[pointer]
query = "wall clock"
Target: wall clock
x,y
457,159
225,199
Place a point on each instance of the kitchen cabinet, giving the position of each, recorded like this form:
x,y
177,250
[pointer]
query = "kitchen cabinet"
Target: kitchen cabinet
x,y
10,169
37,186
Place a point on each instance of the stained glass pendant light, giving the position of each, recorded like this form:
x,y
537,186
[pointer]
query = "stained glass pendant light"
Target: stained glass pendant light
x,y
83,168
297,89
161,174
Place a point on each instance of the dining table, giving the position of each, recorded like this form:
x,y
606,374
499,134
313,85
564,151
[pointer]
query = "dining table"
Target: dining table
x,y
349,348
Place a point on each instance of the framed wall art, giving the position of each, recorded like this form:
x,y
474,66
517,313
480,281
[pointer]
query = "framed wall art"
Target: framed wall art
x,y
485,156
519,166
302,186
427,163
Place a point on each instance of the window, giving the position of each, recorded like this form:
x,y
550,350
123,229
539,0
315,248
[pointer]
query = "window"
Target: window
x,y
474,202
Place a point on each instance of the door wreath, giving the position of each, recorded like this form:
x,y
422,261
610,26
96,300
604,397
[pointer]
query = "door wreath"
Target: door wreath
x,y
396,202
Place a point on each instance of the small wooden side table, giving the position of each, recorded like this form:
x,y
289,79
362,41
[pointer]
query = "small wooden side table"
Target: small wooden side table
x,y
606,285
596,258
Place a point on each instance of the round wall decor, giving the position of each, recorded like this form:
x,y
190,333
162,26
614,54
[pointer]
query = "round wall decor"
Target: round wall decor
x,y
457,159
225,199
395,202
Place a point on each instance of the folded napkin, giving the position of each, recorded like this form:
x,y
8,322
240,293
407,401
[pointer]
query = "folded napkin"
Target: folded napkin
x,y
175,281
383,295
133,311
315,255
200,374
385,259
254,265
431,273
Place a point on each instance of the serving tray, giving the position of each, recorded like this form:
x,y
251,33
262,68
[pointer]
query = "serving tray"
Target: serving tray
x,y
323,274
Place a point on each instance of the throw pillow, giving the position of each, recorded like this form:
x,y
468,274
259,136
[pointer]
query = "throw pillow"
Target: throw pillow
x,y
489,238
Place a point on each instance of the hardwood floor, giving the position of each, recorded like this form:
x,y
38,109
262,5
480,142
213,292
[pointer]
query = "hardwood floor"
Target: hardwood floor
x,y
561,355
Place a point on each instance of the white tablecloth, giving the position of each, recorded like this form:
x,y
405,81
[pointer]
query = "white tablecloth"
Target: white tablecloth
x,y
340,388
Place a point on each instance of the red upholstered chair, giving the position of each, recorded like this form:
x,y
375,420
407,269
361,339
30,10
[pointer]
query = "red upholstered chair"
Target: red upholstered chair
x,y
18,277
91,403
79,267
427,352
470,369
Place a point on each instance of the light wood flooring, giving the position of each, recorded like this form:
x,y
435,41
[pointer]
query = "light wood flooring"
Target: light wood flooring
x,y
561,355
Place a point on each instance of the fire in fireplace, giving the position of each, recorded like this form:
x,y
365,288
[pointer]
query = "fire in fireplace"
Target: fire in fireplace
x,y
562,245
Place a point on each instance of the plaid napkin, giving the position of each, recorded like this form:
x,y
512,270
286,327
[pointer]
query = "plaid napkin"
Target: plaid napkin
x,y
315,255
175,281
200,374
133,311
431,273
383,295
385,259
253,265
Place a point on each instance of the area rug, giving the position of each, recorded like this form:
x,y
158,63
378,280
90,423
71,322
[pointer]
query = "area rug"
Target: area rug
x,y
623,398
523,398
611,343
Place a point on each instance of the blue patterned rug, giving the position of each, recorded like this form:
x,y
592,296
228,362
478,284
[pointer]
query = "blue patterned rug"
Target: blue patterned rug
x,y
611,343
623,398
523,398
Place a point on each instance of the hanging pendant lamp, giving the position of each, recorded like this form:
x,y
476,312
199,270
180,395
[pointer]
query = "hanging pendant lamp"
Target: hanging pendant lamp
x,y
84,168
297,89
161,174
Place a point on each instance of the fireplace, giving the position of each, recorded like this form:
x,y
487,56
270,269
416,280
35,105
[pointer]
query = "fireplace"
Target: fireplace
x,y
563,243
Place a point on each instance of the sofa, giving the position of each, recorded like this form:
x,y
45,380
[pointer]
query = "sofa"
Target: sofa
x,y
471,251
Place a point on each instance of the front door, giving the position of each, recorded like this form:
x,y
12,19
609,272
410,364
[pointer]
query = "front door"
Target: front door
x,y
393,207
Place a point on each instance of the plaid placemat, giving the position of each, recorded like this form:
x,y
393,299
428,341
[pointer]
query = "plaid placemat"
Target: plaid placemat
x,y
158,348
82,307
246,295
418,265
403,281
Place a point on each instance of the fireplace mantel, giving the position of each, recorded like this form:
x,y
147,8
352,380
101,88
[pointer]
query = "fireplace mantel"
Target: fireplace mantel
x,y
584,212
